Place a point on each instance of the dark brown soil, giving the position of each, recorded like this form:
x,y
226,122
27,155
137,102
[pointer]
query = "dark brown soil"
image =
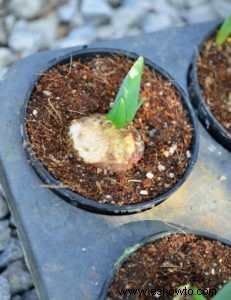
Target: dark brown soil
x,y
68,92
214,72
172,262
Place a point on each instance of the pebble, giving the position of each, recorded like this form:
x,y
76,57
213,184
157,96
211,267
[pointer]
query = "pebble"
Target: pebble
x,y
26,9
153,22
96,11
6,56
18,277
4,234
3,34
4,211
161,167
67,10
4,288
30,295
23,40
78,36
12,252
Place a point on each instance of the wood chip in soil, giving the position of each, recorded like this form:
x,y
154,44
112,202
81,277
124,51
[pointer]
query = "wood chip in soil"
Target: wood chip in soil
x,y
172,262
81,88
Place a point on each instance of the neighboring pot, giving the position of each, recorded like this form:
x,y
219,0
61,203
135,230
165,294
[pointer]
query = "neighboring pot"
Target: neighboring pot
x,y
79,200
129,251
203,111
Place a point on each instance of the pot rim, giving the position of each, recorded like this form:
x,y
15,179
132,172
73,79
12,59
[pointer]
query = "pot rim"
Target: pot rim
x,y
75,198
149,239
208,120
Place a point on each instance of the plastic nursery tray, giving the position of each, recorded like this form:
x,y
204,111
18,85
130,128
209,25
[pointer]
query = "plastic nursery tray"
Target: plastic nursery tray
x,y
70,251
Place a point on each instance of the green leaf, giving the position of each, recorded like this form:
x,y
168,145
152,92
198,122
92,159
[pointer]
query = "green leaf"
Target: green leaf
x,y
196,296
224,31
122,114
224,293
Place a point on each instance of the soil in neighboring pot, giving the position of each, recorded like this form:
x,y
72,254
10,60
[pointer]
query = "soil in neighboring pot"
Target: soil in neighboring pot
x,y
214,73
172,262
70,91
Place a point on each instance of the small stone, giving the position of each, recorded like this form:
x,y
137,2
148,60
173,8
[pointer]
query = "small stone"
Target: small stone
x,y
4,288
223,178
200,13
4,211
26,9
171,175
18,277
144,192
41,26
96,11
78,36
155,22
12,252
161,167
149,175
3,33
221,7
30,295
188,154
23,40
66,11
34,112
6,56
4,234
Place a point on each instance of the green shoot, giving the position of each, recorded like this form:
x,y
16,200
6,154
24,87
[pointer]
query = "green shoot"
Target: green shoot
x,y
224,31
127,101
196,296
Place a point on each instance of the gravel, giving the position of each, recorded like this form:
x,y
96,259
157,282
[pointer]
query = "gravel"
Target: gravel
x,y
30,26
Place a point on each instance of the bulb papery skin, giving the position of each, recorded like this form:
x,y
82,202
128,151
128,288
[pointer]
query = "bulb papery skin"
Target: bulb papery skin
x,y
96,141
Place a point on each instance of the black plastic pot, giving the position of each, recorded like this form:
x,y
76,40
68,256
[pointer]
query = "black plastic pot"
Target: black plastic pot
x,y
204,114
121,260
77,199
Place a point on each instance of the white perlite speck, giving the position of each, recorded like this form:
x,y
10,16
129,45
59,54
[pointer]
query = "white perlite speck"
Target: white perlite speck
x,y
188,154
172,149
161,168
171,175
223,178
213,271
149,175
143,192
47,93
34,112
